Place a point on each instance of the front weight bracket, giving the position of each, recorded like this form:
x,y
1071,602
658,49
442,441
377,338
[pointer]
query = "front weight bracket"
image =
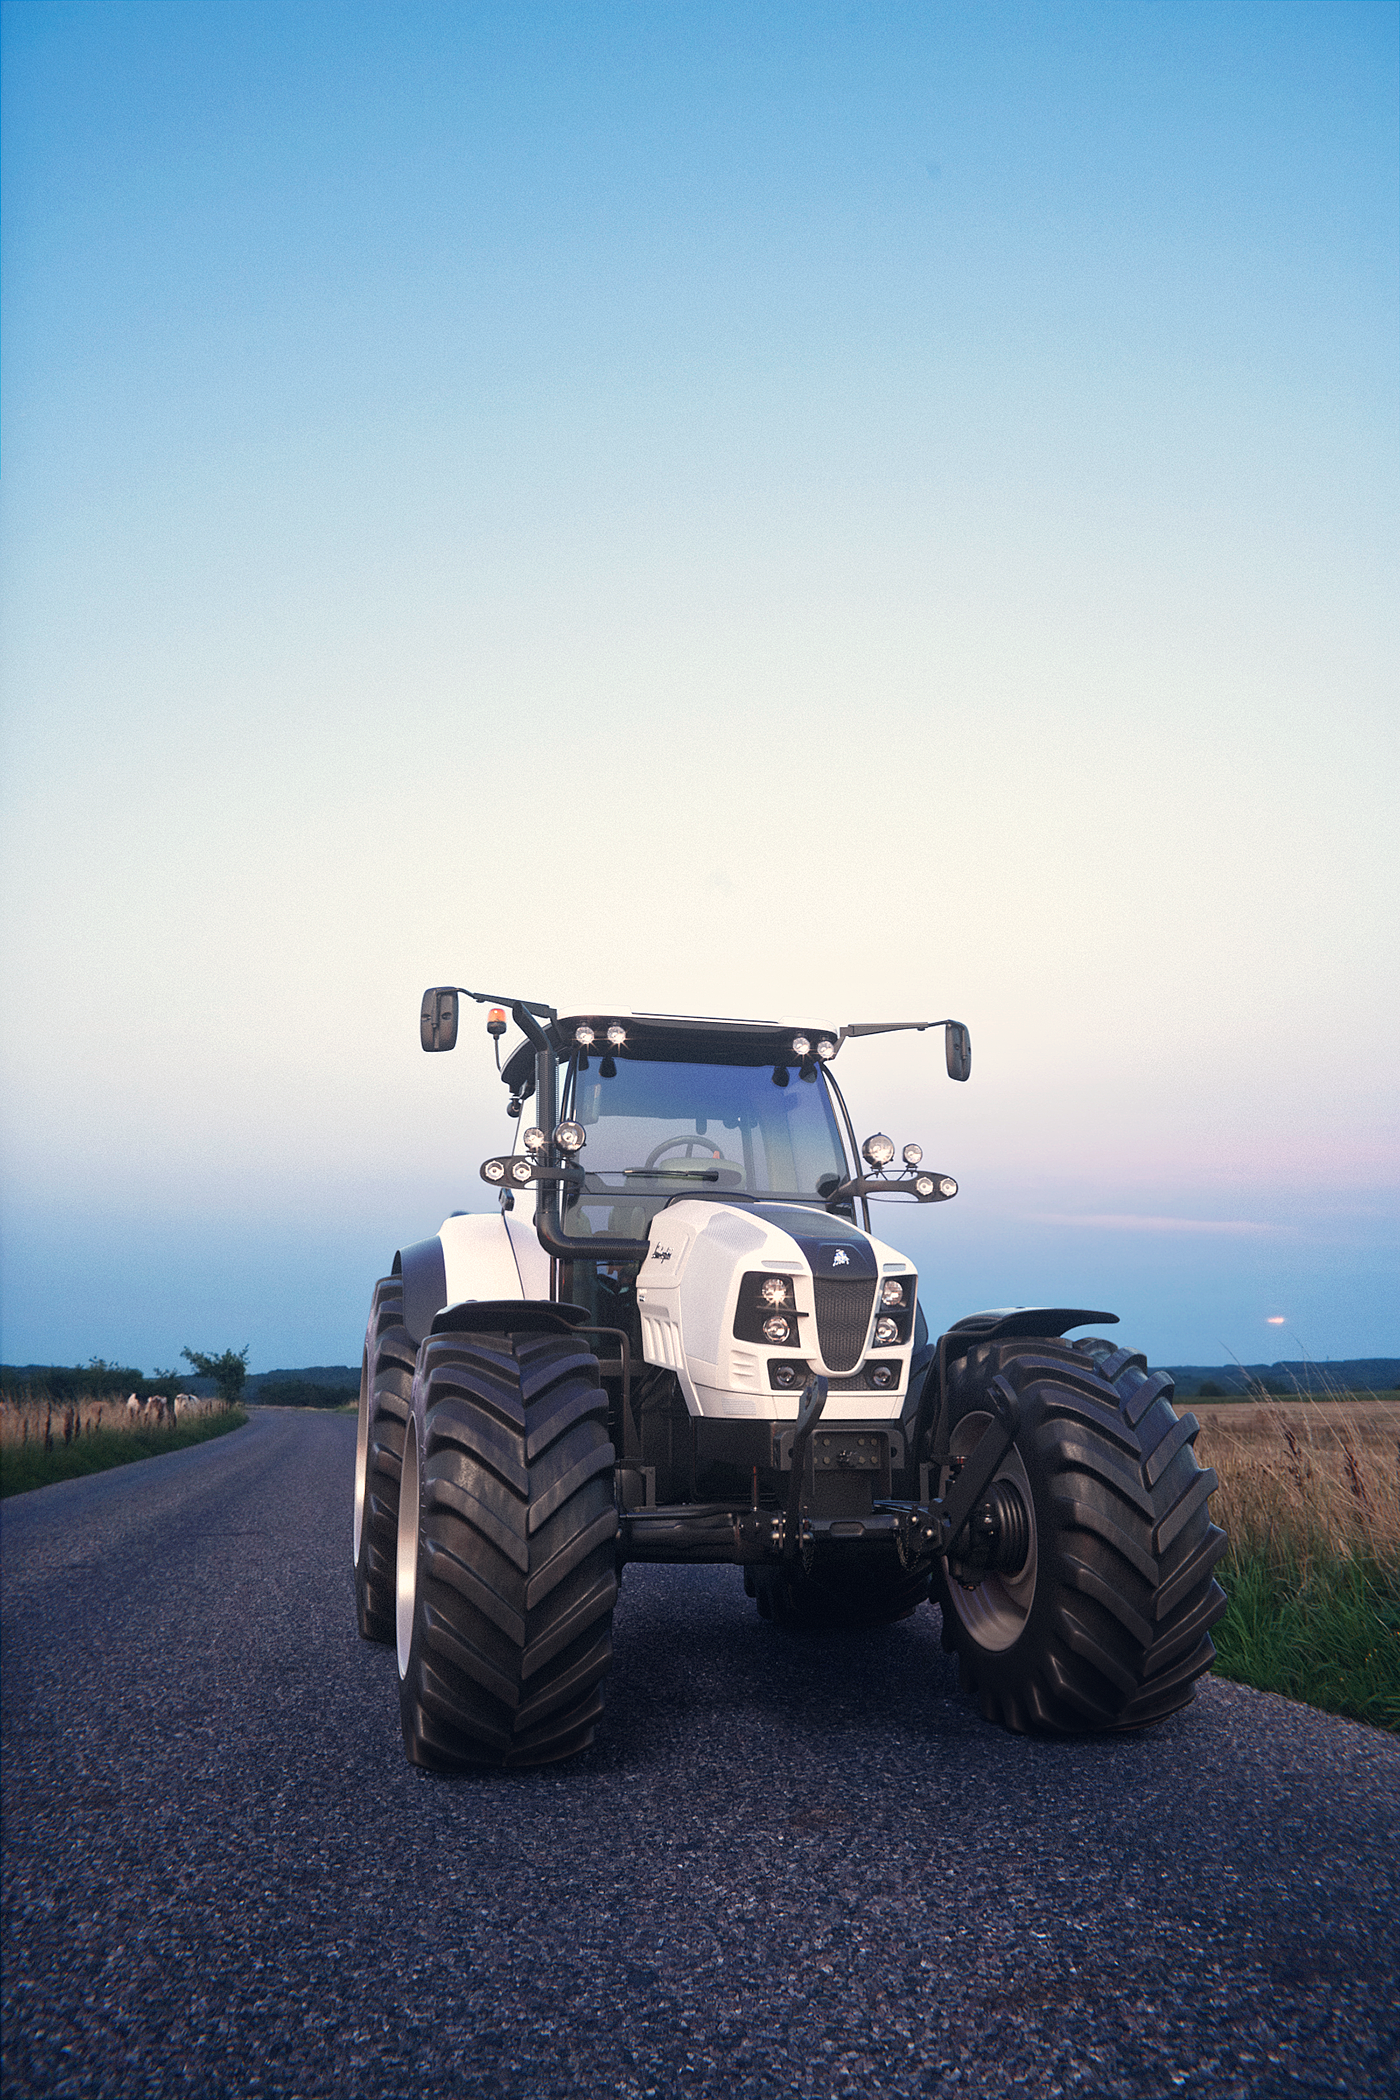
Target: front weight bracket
x,y
980,1465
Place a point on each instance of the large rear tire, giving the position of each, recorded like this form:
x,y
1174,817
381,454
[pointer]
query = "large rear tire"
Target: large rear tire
x,y
1105,1623
386,1400
505,1572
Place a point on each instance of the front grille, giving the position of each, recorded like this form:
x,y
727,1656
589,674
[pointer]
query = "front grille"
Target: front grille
x,y
843,1318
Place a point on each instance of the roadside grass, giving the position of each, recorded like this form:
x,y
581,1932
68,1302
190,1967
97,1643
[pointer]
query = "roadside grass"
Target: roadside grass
x,y
1310,1498
30,1465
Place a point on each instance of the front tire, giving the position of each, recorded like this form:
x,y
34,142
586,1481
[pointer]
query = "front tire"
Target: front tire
x,y
505,1568
1104,1622
386,1400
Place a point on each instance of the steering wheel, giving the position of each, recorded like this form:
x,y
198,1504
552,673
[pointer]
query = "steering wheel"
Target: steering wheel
x,y
669,1145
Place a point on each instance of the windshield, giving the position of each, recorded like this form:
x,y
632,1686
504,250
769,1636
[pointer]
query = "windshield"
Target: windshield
x,y
658,1130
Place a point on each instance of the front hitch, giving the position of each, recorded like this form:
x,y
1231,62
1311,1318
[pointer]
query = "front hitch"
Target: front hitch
x,y
809,1410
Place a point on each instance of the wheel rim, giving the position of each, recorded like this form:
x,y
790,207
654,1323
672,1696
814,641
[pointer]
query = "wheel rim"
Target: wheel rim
x,y
995,1609
406,1555
361,1457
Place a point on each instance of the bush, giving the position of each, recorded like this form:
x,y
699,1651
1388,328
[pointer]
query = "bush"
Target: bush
x,y
227,1371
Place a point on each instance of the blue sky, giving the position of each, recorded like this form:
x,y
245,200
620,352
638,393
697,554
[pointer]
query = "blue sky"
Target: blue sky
x,y
857,511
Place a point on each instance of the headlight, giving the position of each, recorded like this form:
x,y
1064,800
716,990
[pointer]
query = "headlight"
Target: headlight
x,y
886,1331
570,1137
775,1290
879,1149
892,1293
912,1155
534,1139
882,1375
777,1329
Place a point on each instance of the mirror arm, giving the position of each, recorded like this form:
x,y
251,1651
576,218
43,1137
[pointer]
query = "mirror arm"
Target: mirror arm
x,y
518,1007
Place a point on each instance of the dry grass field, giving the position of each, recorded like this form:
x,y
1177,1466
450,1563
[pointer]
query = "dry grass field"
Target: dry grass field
x,y
1310,1497
1306,1480
29,1420
43,1440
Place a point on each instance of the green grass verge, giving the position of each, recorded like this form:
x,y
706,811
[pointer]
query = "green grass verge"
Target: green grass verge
x,y
26,1466
1331,1640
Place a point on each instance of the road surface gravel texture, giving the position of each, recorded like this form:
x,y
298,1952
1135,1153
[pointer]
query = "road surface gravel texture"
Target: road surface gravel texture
x,y
788,1866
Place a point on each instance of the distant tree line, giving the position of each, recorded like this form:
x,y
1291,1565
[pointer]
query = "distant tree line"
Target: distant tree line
x,y
299,1392
95,1380
99,1380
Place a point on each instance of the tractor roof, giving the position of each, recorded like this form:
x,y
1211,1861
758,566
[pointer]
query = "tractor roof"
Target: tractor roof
x,y
676,1039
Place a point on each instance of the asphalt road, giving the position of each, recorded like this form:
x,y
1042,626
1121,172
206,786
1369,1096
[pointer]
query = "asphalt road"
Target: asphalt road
x,y
787,1866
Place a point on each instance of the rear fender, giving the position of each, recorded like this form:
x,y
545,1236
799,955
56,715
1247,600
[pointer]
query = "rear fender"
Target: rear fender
x,y
472,1257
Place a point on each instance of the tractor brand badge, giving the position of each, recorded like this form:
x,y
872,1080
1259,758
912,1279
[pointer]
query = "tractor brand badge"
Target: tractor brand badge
x,y
840,1259
661,1254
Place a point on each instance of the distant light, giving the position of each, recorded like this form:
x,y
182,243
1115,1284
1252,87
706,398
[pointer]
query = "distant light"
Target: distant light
x,y
1275,1320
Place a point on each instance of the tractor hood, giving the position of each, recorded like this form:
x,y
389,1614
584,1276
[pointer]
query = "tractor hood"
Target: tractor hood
x,y
742,1301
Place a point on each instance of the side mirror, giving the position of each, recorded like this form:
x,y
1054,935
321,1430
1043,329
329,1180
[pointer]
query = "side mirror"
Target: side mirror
x,y
438,1020
958,1050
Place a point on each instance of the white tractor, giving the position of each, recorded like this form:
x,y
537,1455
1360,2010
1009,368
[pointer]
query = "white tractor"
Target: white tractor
x,y
695,1350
